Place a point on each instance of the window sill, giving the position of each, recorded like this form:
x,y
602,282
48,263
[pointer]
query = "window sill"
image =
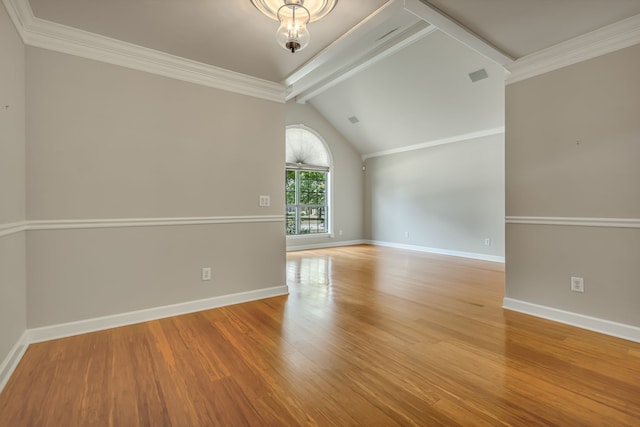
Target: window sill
x,y
310,236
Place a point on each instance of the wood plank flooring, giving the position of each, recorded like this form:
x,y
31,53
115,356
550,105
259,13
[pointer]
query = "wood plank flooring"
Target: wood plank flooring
x,y
368,336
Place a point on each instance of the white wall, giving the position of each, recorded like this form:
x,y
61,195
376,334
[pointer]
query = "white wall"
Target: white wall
x,y
347,178
106,142
12,189
448,197
572,151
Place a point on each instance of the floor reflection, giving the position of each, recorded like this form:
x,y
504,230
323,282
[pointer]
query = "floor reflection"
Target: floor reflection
x,y
311,274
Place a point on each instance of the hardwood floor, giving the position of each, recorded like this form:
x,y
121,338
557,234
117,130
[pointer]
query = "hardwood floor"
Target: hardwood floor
x,y
368,336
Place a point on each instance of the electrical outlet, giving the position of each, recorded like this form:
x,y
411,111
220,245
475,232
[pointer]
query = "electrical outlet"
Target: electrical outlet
x,y
577,284
265,201
206,273
406,234
487,241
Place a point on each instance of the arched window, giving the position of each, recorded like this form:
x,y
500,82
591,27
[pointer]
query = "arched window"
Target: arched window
x,y
307,184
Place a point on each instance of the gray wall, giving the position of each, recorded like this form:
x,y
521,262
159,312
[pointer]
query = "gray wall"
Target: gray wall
x,y
572,150
448,197
347,178
12,185
106,142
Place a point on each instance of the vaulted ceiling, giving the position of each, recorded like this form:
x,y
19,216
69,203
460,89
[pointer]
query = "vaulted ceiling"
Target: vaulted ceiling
x,y
399,66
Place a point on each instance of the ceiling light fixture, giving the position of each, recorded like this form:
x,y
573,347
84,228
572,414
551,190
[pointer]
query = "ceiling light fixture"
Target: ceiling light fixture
x,y
294,15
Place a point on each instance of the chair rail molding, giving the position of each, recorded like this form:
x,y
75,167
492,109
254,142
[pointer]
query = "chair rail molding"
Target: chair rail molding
x,y
12,228
575,221
65,224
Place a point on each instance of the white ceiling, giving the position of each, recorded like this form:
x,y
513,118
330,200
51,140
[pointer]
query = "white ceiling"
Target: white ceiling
x,y
433,99
406,87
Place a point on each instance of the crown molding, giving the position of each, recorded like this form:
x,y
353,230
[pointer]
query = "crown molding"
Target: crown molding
x,y
436,142
605,40
61,38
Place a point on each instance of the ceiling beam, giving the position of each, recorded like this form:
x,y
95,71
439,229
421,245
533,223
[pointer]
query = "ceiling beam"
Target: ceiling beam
x,y
409,36
310,73
348,55
448,25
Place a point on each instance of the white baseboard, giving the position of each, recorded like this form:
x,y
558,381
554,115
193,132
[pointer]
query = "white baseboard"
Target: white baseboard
x,y
620,330
473,255
10,362
46,333
292,248
100,323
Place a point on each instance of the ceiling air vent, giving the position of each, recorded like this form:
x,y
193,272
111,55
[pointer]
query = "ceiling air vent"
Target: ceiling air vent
x,y
481,74
387,34
353,120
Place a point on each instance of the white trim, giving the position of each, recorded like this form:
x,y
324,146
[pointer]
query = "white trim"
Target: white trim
x,y
294,248
63,330
472,255
12,359
67,224
310,236
12,228
61,38
436,142
107,322
330,174
14,9
605,40
454,29
575,221
343,44
388,48
71,224
620,330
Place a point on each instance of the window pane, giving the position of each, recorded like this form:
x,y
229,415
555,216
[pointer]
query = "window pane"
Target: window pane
x,y
312,188
291,220
306,188
304,222
290,187
319,217
312,220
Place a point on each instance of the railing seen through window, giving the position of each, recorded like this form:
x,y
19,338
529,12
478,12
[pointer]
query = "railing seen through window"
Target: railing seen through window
x,y
307,204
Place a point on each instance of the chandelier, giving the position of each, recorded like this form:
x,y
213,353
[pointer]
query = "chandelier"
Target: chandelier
x,y
294,15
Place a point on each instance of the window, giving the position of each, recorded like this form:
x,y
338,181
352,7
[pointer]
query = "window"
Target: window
x,y
307,183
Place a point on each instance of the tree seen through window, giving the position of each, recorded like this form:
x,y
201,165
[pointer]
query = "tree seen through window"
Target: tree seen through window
x,y
306,193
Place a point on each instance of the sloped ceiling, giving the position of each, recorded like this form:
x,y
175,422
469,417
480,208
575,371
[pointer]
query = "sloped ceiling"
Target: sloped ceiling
x,y
419,94
402,75
522,27
230,34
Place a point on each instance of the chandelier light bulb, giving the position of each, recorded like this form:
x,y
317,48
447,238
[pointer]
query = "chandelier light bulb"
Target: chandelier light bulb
x,y
294,15
293,34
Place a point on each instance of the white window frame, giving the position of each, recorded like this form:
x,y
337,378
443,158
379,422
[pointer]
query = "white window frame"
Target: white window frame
x,y
329,220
